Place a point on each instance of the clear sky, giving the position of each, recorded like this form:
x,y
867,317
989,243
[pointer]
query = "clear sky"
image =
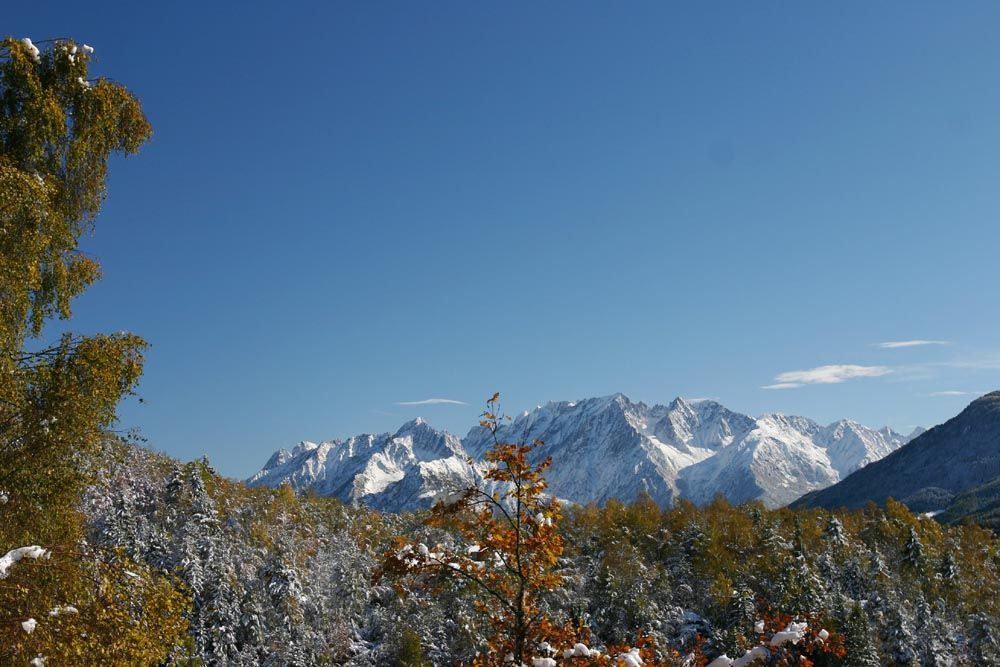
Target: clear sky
x,y
351,205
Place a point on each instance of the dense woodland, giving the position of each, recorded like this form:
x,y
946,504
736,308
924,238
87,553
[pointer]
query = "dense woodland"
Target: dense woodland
x,y
112,554
277,579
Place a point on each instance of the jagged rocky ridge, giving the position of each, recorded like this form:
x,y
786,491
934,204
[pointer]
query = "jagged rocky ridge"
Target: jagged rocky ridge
x,y
402,470
603,448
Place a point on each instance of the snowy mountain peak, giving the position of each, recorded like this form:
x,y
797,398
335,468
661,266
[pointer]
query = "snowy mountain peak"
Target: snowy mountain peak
x,y
304,446
679,404
850,446
424,442
604,447
279,457
593,405
396,471
703,425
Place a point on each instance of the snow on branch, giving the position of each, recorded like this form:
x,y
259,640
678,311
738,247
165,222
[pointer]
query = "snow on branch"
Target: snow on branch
x,y
9,559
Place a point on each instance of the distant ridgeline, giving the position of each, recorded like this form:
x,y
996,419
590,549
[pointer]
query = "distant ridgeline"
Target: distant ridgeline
x,y
605,448
952,471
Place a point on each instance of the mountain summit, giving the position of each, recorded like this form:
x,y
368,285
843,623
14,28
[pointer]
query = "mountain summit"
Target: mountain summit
x,y
386,471
603,448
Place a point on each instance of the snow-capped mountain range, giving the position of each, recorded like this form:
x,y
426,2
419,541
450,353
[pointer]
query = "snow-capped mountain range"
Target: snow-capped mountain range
x,y
602,448
392,472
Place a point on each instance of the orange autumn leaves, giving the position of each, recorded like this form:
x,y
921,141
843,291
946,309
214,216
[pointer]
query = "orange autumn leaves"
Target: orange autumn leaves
x,y
506,549
500,542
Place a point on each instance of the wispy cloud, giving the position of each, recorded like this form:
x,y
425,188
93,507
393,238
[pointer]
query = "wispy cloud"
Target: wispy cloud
x,y
701,399
832,374
985,362
893,344
952,392
433,401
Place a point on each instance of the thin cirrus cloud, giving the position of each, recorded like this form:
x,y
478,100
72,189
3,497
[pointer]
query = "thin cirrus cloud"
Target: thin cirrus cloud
x,y
895,344
953,392
985,362
831,374
433,401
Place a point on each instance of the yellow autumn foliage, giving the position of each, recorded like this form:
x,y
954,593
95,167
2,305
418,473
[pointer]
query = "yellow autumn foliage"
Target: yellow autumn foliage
x,y
57,398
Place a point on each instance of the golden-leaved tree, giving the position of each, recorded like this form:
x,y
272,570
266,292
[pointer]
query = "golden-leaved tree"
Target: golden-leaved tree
x,y
58,599
506,553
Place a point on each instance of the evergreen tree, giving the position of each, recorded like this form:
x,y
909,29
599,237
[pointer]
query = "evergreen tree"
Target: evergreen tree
x,y
743,611
900,643
913,550
935,644
408,650
861,651
948,569
984,647
834,533
854,581
807,591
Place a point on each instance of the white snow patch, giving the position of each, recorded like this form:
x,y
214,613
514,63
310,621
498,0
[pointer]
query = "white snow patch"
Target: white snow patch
x,y
793,633
14,555
631,659
67,609
32,49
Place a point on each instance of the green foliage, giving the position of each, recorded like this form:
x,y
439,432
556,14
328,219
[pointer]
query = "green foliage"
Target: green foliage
x,y
56,135
408,650
979,506
57,132
860,648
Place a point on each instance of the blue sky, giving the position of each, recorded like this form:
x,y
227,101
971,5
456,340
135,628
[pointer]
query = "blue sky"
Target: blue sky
x,y
349,206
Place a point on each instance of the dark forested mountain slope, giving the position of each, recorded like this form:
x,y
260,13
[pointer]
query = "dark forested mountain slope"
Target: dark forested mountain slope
x,y
980,505
960,454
